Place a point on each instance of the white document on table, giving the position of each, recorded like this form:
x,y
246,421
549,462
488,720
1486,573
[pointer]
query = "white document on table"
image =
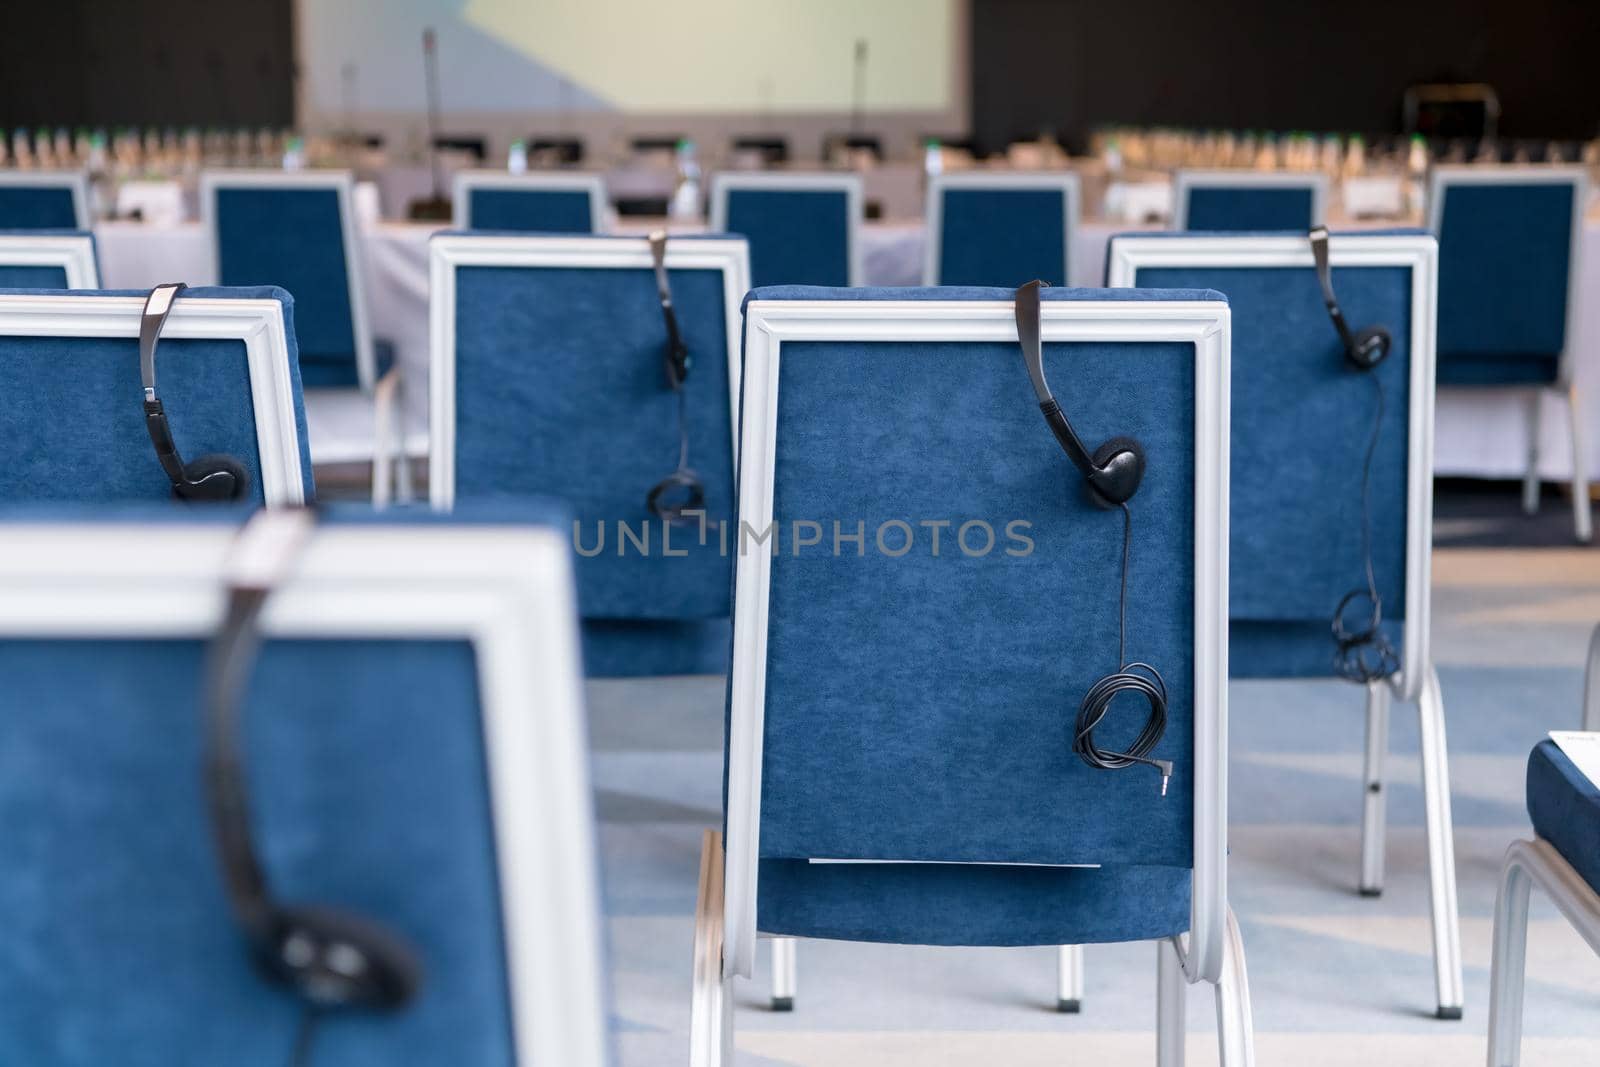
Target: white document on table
x,y
1582,747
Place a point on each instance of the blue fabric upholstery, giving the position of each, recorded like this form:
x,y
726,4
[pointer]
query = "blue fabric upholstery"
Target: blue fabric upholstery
x,y
797,236
1504,260
920,707
292,238
31,276
1564,807
37,207
1249,208
81,436
560,391
1301,421
531,210
1002,236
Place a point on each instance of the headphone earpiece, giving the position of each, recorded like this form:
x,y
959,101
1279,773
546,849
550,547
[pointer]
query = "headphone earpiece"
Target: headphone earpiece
x,y
1118,469
336,959
213,477
1370,348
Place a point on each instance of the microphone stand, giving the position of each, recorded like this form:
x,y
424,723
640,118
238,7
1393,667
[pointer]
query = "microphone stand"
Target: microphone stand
x,y
437,207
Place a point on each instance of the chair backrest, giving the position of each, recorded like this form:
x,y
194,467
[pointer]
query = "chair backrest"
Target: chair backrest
x,y
561,202
1000,229
1302,420
226,372
1508,271
547,379
48,260
296,229
1242,200
803,229
909,708
413,738
44,200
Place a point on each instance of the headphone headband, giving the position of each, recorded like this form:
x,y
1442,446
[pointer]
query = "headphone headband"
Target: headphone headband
x,y
677,356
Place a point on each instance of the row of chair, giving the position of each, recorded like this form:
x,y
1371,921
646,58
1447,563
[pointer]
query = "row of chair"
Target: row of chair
x,y
864,431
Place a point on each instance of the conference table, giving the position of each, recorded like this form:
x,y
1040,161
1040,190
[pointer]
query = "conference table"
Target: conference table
x,y
1478,433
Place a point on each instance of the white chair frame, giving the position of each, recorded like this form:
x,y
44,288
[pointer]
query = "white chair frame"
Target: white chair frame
x,y
1064,182
1440,182
75,180
507,589
1187,180
391,475
850,185
73,253
725,927
1418,680
466,182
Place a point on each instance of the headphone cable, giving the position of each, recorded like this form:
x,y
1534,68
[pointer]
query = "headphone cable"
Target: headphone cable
x,y
1135,677
305,1035
1351,659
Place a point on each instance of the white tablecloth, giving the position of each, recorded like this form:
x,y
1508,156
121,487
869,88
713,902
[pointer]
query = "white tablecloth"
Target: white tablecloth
x,y
1479,433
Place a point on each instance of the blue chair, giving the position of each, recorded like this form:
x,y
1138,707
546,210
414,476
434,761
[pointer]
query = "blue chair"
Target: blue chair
x,y
1243,200
898,764
394,772
803,229
44,200
1000,229
1301,422
296,229
549,202
1508,274
48,260
1563,859
227,373
547,380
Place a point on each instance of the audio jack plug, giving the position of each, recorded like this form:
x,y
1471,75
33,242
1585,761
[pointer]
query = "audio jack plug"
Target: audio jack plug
x,y
1165,767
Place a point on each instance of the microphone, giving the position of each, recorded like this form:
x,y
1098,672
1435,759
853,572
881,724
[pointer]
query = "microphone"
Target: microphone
x,y
858,92
437,207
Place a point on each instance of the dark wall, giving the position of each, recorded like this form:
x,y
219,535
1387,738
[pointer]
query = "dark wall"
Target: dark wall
x,y
1339,65
146,62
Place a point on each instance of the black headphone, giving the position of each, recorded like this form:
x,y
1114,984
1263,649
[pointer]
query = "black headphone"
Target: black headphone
x,y
211,477
681,492
1361,651
1364,349
1114,471
327,957
1112,475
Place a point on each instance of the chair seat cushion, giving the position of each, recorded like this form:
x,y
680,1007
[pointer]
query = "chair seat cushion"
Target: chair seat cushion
x,y
971,904
1565,808
1515,369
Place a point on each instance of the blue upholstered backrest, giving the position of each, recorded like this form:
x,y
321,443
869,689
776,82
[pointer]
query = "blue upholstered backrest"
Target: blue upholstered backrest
x,y
81,435
797,236
37,207
1249,207
1301,422
291,237
1504,260
560,391
31,276
1002,236
920,706
369,792
531,210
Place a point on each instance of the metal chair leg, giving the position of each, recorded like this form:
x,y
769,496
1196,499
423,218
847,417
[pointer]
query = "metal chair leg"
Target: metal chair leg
x,y
1530,477
711,999
1171,994
1591,684
1069,978
1581,524
1236,1042
1441,848
785,973
1374,826
1508,968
